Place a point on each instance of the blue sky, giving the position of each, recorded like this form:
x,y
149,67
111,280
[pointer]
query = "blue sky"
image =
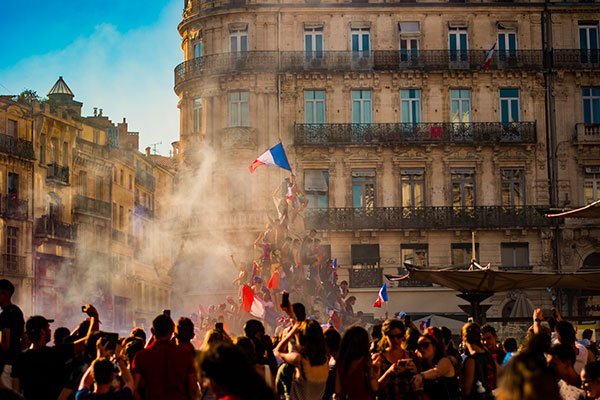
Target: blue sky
x,y
117,55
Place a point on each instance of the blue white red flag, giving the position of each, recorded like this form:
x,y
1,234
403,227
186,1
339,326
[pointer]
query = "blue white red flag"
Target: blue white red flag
x,y
382,296
488,58
274,156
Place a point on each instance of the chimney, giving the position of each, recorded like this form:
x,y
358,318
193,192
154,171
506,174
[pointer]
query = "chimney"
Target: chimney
x,y
100,112
124,120
95,111
148,151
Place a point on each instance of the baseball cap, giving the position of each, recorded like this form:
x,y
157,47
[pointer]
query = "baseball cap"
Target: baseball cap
x,y
36,323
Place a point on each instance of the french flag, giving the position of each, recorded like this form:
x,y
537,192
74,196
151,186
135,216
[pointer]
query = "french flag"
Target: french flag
x,y
488,58
382,296
251,303
274,156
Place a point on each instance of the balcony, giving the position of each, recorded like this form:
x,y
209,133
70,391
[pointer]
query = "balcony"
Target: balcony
x,y
16,147
91,148
438,218
344,60
516,268
366,277
57,173
576,59
52,228
587,133
238,138
143,211
393,134
13,265
118,236
145,179
88,205
13,207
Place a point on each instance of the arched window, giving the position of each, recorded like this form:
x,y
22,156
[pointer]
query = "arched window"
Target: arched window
x,y
591,262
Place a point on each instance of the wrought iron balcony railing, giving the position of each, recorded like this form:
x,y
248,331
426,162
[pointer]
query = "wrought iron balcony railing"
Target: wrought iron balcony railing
x,y
58,173
143,211
587,133
401,218
240,137
50,227
84,204
576,59
95,149
118,236
344,60
391,134
13,207
13,265
16,147
366,277
145,179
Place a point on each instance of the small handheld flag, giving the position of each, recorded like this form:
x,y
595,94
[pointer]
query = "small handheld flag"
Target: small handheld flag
x,y
382,296
488,58
274,156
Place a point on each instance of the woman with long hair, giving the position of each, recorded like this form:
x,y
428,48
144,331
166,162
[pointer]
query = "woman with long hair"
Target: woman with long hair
x,y
230,376
479,368
394,364
438,375
310,360
355,378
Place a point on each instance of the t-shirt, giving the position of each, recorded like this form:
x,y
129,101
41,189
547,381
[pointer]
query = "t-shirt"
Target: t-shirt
x,y
12,318
568,392
165,368
123,394
581,358
42,371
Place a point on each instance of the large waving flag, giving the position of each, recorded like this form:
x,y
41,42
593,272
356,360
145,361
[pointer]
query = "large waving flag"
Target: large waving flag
x,y
382,296
274,156
251,303
488,58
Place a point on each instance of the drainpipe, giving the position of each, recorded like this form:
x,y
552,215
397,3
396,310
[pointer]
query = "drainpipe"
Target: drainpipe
x,y
32,197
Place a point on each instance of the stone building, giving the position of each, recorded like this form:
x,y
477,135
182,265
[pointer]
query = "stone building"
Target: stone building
x,y
409,125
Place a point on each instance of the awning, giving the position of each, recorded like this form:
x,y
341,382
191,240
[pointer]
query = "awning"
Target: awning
x,y
492,281
592,210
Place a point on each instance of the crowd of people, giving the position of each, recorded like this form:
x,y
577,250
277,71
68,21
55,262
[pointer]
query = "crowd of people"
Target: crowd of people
x,y
305,360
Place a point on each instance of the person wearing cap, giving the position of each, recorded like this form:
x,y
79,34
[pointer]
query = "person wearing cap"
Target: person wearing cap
x,y
40,371
11,329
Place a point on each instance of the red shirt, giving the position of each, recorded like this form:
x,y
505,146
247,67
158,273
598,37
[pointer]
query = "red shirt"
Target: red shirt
x,y
165,368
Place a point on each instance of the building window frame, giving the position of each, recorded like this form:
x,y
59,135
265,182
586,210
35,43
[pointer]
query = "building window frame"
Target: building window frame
x,y
410,106
590,100
316,187
364,189
512,187
515,255
458,44
314,43
464,251
314,106
510,105
463,179
239,109
591,184
461,106
417,253
362,106
412,188
197,115
360,42
238,42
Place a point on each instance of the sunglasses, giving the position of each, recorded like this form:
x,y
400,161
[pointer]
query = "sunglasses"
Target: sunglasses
x,y
423,345
396,336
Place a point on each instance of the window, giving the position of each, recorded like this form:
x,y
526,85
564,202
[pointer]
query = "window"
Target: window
x,y
410,106
313,42
197,48
591,104
115,175
316,187
99,188
42,149
238,109
96,136
509,105
197,115
12,247
130,182
363,188
460,106
121,217
12,129
588,42
412,191
462,253
515,255
121,177
83,183
314,106
114,213
409,40
54,144
513,187
463,188
458,44
591,184
365,255
13,186
365,271
240,193
415,254
361,45
238,42
65,154
361,107
507,42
